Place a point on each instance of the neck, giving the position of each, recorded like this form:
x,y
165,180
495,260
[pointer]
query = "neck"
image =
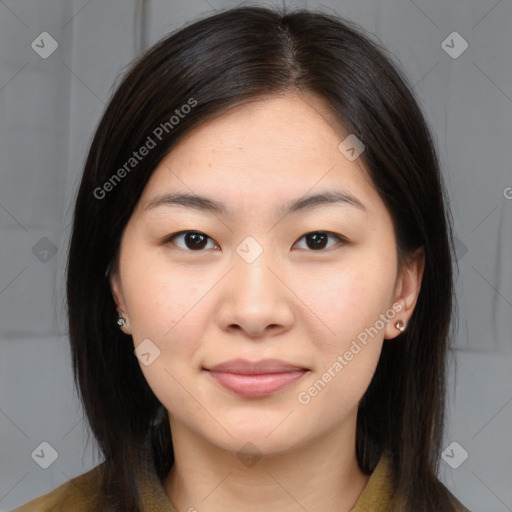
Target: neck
x,y
321,474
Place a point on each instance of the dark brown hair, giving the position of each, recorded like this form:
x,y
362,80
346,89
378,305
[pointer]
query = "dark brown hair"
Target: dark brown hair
x,y
241,55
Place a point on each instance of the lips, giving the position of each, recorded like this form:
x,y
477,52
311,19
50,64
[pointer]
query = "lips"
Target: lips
x,y
256,379
242,366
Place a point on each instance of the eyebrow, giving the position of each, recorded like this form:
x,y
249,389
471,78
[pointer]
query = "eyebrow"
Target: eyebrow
x,y
205,204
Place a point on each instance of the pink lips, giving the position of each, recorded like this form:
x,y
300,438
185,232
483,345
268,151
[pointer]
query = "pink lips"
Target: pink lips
x,y
258,379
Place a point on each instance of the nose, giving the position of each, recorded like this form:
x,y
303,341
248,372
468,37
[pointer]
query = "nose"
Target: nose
x,y
256,298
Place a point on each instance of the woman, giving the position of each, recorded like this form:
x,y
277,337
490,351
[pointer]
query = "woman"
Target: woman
x,y
259,278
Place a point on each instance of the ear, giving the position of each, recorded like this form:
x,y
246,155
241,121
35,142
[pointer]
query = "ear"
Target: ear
x,y
407,290
117,293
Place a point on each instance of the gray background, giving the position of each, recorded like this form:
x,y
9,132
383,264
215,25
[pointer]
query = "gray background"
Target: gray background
x,y
49,109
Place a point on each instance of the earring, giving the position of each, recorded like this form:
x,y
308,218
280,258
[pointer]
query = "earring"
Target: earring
x,y
121,321
400,325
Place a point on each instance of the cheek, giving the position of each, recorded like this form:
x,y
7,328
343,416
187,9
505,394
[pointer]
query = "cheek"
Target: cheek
x,y
349,302
349,339
174,318
349,350
165,304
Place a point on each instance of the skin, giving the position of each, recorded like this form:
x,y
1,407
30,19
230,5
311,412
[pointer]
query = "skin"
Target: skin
x,y
303,305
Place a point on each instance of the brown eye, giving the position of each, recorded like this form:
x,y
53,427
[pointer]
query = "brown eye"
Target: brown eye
x,y
193,240
197,241
316,240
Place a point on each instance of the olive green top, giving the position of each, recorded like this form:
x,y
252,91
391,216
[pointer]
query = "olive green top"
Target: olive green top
x,y
76,494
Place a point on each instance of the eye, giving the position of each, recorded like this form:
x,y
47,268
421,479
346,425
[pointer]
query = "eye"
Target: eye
x,y
317,239
194,240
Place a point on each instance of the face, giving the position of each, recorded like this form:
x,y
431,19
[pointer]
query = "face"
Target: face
x,y
316,287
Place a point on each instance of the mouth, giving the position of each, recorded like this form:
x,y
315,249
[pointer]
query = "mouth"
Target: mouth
x,y
256,379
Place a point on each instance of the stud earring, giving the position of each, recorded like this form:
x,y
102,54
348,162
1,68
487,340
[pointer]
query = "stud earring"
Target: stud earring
x,y
121,321
400,325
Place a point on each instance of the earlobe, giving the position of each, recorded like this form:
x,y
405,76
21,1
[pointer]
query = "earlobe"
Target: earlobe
x,y
407,290
117,294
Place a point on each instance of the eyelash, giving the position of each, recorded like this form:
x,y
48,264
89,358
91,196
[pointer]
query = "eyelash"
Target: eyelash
x,y
338,238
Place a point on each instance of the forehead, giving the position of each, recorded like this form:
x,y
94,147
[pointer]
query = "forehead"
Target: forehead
x,y
266,151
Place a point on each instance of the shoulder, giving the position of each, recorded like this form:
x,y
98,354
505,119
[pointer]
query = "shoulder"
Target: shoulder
x,y
380,492
75,495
